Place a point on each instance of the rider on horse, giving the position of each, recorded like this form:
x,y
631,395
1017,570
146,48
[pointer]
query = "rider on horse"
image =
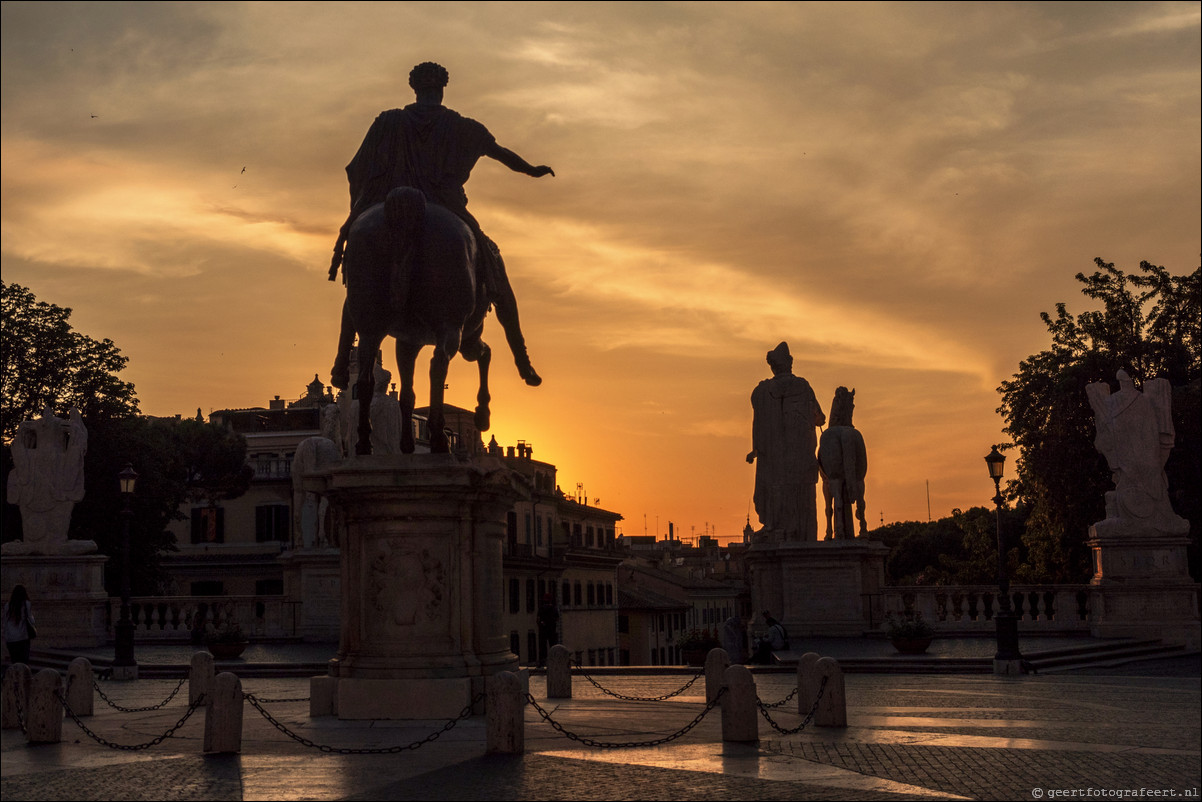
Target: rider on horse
x,y
432,148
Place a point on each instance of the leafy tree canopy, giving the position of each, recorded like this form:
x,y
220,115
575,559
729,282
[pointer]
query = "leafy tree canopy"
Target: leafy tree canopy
x,y
1150,325
47,363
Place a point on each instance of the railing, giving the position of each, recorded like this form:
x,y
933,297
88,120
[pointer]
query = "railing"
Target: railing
x,y
175,617
1050,608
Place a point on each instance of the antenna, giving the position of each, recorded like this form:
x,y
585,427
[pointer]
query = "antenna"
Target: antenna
x,y
928,500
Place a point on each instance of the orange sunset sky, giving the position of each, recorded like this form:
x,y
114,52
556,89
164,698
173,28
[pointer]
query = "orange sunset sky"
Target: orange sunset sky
x,y
896,189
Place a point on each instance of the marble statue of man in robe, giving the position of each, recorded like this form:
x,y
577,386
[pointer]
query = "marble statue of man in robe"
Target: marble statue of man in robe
x,y
783,445
1135,433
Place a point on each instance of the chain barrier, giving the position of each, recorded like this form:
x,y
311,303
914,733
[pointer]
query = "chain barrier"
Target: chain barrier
x,y
121,709
282,701
781,703
616,695
626,744
192,708
810,717
392,750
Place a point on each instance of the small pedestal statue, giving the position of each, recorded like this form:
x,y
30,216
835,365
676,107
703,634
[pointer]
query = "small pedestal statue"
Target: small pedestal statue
x,y
1141,576
814,588
65,575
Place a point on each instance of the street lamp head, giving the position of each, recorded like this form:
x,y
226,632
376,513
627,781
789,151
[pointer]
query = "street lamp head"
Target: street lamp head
x,y
128,479
996,462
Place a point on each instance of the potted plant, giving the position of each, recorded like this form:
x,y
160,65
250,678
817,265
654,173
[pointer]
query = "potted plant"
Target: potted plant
x,y
909,635
695,644
226,641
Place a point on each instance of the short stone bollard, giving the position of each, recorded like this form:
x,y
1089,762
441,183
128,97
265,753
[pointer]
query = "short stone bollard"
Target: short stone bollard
x,y
716,663
200,676
832,710
807,682
16,696
223,715
44,716
740,721
80,698
559,672
505,714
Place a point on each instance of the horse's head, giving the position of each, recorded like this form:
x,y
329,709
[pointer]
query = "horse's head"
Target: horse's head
x,y
842,407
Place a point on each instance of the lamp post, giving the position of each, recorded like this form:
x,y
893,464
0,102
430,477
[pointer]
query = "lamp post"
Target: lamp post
x,y
1008,659
124,664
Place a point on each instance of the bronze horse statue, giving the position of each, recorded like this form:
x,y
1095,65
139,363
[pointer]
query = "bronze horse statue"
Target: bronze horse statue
x,y
410,269
843,464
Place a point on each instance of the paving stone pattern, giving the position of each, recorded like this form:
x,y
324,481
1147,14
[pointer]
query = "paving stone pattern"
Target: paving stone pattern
x,y
910,737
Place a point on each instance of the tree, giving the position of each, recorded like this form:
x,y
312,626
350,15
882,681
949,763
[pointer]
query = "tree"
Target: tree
x,y
1150,325
177,462
47,363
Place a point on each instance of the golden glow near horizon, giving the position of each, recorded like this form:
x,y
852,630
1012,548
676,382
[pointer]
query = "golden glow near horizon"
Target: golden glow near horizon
x,y
895,189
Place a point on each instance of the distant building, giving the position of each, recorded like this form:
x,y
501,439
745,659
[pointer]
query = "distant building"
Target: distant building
x,y
557,547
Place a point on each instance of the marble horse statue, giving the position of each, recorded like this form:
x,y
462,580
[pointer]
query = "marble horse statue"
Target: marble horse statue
x,y
843,464
410,269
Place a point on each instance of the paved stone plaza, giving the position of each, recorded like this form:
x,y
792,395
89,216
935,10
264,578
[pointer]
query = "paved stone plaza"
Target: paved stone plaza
x,y
1134,730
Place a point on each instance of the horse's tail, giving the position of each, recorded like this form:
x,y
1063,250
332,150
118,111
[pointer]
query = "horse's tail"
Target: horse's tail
x,y
405,211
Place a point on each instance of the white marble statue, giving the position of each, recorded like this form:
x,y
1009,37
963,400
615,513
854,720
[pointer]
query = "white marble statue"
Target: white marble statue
x,y
47,481
1135,433
312,527
385,415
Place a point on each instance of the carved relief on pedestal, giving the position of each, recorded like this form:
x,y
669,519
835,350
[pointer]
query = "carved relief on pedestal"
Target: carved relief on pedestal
x,y
406,589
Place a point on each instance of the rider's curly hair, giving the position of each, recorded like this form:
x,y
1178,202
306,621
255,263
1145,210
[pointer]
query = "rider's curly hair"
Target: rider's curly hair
x,y
428,75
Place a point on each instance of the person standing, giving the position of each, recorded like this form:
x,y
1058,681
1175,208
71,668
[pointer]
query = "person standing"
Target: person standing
x,y
18,625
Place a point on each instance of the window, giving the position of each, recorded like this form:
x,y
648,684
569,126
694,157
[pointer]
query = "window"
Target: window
x,y
208,525
529,529
515,598
269,587
273,522
511,527
530,603
567,594
592,596
588,538
609,595
623,623
577,596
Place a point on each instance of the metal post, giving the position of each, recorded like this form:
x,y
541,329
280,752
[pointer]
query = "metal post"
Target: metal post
x,y
124,664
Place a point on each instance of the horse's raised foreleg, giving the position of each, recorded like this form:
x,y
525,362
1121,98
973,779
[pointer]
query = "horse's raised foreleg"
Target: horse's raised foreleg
x,y
438,379
406,358
479,352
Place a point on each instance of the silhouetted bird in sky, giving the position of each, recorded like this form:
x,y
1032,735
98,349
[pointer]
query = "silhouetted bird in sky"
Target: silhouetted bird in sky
x,y
243,171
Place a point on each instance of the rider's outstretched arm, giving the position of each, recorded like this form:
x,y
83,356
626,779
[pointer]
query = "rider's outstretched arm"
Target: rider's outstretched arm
x,y
516,163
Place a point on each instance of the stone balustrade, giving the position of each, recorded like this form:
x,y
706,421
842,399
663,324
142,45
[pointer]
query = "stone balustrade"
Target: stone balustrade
x,y
968,608
174,617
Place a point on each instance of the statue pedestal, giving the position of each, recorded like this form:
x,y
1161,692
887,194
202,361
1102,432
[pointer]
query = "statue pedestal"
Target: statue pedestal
x,y
820,588
421,620
312,584
1141,585
67,594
